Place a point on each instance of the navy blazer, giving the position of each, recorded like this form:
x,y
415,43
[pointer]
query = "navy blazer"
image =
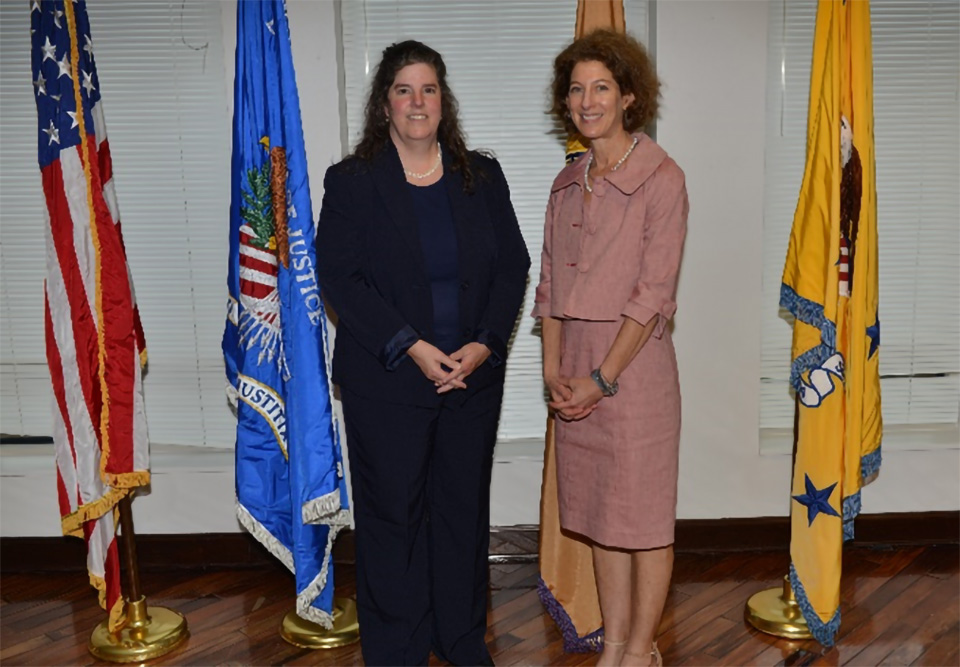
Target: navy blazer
x,y
372,272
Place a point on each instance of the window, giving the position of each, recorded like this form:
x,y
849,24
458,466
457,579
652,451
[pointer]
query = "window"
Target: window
x,y
916,51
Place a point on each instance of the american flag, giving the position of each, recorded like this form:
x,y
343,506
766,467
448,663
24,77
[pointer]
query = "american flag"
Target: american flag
x,y
94,340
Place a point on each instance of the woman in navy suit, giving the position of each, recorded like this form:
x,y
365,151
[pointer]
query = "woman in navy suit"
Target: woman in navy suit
x,y
420,256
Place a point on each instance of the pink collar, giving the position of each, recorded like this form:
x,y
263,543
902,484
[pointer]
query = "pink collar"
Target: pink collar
x,y
646,157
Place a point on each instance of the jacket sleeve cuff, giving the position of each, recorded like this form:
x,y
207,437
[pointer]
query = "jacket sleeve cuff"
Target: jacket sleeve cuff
x,y
498,349
541,300
643,313
393,352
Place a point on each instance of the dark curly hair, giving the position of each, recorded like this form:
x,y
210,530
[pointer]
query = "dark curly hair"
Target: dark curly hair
x,y
376,126
632,69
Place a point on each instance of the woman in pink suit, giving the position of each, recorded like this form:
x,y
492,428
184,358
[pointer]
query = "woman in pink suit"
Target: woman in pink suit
x,y
613,238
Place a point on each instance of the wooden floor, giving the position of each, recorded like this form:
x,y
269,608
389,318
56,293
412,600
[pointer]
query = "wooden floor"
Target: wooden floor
x,y
900,607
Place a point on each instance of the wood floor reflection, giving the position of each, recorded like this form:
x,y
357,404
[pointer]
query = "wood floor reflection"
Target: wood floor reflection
x,y
900,607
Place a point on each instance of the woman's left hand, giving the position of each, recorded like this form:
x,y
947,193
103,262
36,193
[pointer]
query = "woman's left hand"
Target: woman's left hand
x,y
586,396
470,356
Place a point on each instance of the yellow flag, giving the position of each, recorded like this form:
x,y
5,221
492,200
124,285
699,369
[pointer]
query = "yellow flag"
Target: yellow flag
x,y
567,586
830,286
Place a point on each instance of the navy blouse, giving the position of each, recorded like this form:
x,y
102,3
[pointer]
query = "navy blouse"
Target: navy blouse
x,y
438,239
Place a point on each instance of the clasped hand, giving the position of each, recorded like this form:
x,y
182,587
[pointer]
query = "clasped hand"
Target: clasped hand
x,y
448,372
573,398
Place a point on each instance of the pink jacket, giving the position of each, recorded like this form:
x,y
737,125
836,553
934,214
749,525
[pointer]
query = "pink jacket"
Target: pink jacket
x,y
618,256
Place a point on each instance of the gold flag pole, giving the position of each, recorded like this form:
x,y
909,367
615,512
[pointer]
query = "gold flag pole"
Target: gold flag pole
x,y
149,632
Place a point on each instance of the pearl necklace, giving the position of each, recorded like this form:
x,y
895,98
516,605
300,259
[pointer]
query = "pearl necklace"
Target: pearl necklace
x,y
586,173
436,165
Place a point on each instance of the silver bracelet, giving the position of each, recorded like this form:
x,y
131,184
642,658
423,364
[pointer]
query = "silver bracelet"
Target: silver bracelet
x,y
606,388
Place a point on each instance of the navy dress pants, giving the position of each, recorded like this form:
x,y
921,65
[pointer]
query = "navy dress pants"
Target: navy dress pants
x,y
421,502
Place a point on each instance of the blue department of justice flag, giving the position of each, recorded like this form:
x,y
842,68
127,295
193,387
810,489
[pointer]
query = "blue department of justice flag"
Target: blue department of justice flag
x,y
291,493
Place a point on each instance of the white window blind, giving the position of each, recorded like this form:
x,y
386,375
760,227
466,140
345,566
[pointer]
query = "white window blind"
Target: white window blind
x,y
916,60
499,56
160,64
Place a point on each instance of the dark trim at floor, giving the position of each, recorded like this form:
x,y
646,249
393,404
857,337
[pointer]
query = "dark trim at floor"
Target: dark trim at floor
x,y
772,533
6,439
209,551
155,553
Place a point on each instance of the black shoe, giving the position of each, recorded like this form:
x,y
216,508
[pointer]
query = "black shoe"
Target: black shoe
x,y
487,661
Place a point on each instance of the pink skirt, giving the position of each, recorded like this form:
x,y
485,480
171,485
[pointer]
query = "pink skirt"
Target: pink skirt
x,y
617,469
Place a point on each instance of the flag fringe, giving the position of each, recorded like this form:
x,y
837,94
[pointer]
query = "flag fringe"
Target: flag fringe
x,y
851,508
117,617
572,641
233,396
72,524
869,466
823,632
325,510
265,537
811,314
127,480
306,597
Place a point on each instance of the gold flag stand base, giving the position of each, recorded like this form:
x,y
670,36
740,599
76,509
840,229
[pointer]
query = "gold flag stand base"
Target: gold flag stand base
x,y
149,633
305,634
775,611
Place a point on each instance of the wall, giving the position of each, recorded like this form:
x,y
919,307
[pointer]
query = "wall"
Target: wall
x,y
712,57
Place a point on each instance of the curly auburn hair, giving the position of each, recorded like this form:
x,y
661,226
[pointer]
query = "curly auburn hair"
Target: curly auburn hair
x,y
376,125
627,60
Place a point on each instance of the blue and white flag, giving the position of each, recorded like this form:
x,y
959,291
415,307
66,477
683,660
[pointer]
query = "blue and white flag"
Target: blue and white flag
x,y
291,494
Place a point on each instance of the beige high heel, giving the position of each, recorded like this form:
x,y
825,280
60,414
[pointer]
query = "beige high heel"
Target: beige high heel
x,y
655,653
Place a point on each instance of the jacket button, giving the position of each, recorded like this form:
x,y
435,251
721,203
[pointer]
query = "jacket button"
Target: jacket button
x,y
464,285
467,333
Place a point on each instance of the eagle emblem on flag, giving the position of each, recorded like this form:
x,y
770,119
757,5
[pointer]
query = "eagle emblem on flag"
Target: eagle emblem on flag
x,y
264,244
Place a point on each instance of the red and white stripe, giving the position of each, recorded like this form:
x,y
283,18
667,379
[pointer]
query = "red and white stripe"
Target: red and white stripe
x,y
258,278
100,431
844,267
258,267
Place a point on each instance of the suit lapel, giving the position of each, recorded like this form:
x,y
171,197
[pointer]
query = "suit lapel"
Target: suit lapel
x,y
389,180
466,218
